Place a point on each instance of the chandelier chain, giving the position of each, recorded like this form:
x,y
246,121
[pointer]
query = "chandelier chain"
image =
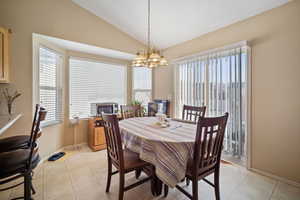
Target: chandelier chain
x,y
148,25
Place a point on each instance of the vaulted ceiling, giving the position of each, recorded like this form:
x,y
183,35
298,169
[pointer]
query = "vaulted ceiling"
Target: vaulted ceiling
x,y
175,21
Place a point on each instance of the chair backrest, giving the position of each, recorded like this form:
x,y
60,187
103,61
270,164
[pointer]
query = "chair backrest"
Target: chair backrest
x,y
129,111
34,121
36,133
208,144
192,113
113,139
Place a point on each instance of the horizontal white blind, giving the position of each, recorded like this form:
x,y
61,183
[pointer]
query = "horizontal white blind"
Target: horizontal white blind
x,y
142,78
49,88
142,84
95,82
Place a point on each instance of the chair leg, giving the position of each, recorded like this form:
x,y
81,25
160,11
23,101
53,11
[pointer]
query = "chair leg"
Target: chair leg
x,y
166,190
138,173
121,186
27,186
195,189
109,174
32,189
217,184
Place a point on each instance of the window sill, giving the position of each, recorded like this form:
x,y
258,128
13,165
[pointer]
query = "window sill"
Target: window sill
x,y
50,123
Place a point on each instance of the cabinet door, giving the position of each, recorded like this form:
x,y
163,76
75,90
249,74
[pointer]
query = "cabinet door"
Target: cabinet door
x,y
99,136
4,55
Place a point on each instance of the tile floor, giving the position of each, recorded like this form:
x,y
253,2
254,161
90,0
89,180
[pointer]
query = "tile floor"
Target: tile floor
x,y
82,176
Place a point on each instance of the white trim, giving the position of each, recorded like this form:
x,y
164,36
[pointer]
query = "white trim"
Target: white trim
x,y
249,110
82,58
278,178
227,47
50,123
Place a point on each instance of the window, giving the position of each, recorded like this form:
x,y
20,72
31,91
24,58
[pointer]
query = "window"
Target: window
x,y
95,82
217,79
50,90
142,85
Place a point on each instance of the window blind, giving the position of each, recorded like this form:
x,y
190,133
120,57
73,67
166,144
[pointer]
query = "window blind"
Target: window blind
x,y
142,84
49,87
95,82
217,80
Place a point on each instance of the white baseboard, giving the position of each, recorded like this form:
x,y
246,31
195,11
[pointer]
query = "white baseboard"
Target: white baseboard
x,y
278,178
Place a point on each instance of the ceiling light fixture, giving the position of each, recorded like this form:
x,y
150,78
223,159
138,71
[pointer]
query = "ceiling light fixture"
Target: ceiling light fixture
x,y
151,57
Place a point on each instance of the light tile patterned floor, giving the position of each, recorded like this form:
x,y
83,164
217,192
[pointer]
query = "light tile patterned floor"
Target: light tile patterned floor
x,y
82,176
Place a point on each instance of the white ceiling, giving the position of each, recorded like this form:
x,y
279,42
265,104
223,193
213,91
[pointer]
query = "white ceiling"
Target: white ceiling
x,y
85,48
175,21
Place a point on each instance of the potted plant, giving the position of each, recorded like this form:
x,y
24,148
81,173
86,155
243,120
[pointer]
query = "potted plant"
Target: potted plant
x,y
139,103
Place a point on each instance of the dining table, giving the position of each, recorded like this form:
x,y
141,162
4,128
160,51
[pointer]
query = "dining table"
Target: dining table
x,y
168,148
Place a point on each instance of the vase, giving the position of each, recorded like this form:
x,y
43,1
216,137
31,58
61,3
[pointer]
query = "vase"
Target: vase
x,y
9,108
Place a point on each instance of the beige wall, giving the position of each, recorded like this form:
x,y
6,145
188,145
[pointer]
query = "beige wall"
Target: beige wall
x,y
57,18
275,40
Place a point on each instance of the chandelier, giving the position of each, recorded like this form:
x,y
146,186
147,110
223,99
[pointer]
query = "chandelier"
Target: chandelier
x,y
151,57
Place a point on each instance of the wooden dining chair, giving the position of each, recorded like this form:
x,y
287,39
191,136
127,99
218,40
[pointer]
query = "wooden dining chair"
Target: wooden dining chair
x,y
21,162
129,111
192,113
207,155
123,160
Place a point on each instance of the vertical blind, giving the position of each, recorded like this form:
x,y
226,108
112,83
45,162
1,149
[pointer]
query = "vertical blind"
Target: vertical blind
x,y
49,87
217,80
95,82
142,84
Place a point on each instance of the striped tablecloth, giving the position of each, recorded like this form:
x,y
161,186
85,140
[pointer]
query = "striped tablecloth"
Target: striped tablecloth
x,y
168,149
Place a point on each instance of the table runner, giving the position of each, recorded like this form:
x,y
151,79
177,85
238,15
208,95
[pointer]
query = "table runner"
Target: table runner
x,y
168,149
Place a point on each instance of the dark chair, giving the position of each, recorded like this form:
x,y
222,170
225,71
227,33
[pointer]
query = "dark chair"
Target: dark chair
x,y
129,111
21,162
192,113
207,154
19,141
124,160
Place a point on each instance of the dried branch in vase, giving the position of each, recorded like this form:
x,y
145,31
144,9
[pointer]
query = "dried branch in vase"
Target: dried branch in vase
x,y
10,98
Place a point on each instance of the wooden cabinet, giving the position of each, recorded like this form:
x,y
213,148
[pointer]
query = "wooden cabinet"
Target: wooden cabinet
x,y
4,55
96,138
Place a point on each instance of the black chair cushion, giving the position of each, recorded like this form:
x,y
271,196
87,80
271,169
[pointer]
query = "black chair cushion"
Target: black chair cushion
x,y
14,162
13,143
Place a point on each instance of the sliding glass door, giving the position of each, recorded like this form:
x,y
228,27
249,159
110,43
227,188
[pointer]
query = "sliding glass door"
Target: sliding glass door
x,y
217,80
